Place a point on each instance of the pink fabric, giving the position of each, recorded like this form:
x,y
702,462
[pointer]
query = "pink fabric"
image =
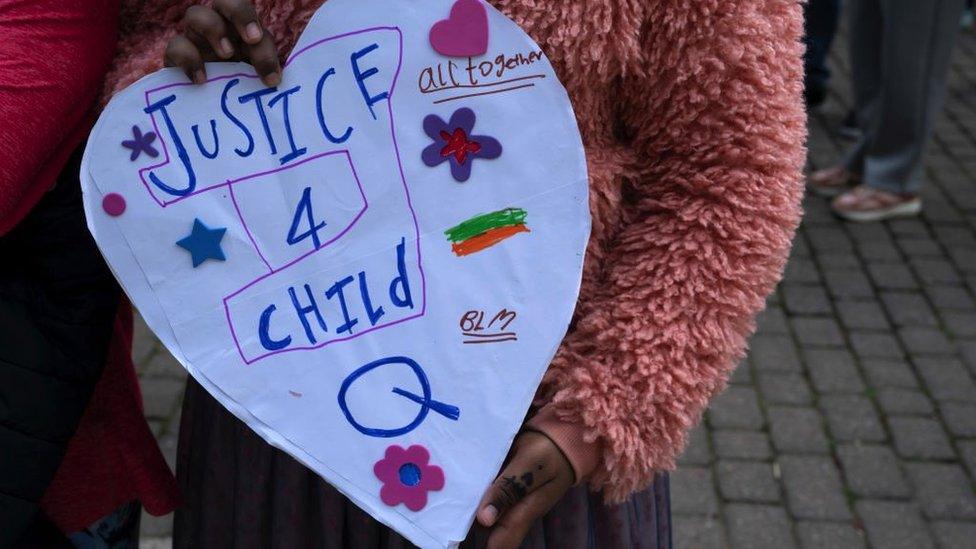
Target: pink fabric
x,y
694,128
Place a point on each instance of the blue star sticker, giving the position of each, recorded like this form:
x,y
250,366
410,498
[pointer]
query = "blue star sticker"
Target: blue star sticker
x,y
140,143
203,243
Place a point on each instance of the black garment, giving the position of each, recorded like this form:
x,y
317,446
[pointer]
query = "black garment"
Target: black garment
x,y
58,302
820,25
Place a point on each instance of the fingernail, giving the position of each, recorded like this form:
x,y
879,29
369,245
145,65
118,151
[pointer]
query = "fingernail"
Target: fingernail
x,y
272,79
199,77
253,32
489,514
226,48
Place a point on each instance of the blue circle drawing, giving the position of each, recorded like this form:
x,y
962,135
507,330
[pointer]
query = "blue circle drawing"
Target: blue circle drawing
x,y
425,401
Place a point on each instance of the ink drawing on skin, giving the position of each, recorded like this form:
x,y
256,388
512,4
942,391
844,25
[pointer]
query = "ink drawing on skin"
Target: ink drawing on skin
x,y
348,261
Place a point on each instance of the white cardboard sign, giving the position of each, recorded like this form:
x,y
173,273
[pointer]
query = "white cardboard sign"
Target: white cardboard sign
x,y
371,264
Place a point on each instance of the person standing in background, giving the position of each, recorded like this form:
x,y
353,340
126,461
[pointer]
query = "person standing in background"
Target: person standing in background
x,y
899,62
819,27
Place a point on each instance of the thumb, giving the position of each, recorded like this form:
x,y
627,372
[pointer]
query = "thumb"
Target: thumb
x,y
530,468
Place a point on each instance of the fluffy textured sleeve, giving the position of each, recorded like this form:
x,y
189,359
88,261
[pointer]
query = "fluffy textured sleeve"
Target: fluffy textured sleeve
x,y
715,119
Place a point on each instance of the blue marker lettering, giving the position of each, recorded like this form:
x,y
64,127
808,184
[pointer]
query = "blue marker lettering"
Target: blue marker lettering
x,y
213,130
256,97
180,150
237,122
303,311
318,108
283,97
263,332
362,76
336,289
401,279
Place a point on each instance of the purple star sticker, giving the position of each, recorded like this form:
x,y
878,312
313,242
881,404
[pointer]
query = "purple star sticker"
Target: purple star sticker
x,y
140,143
454,142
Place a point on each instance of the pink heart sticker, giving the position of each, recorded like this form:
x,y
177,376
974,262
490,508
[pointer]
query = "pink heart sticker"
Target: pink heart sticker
x,y
464,33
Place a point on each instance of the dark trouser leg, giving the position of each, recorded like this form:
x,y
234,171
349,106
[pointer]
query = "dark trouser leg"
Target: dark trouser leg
x,y
916,44
820,24
864,43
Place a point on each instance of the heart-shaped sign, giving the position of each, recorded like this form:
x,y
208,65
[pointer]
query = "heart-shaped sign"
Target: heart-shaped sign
x,y
371,264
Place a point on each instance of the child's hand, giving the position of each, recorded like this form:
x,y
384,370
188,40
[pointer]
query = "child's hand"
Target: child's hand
x,y
228,31
535,478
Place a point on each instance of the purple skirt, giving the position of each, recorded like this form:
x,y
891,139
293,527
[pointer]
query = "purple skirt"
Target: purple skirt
x,y
239,492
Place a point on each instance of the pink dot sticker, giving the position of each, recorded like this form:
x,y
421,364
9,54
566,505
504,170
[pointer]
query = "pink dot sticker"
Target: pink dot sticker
x,y
113,204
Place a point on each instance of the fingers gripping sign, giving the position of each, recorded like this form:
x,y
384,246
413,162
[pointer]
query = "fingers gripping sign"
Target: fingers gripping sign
x,y
535,478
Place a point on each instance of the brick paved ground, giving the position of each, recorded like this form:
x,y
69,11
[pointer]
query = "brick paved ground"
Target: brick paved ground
x,y
853,421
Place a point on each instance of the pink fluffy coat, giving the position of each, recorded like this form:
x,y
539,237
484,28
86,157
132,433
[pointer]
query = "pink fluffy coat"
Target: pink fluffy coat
x,y
691,115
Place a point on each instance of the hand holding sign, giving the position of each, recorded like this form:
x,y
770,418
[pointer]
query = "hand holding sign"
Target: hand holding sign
x,y
305,250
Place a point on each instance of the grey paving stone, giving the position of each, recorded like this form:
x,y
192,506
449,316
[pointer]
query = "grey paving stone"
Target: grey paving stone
x,y
967,451
155,527
805,300
797,430
817,331
964,259
750,481
943,490
852,418
920,438
889,373
699,532
881,251
894,525
908,227
829,240
920,340
759,526
839,261
144,343
741,374
834,372
774,353
954,535
904,402
772,321
967,349
866,315
959,418
162,364
784,388
698,451
946,379
829,535
742,445
801,270
693,491
955,237
813,488
161,396
735,408
872,471
950,298
909,309
875,345
960,323
920,247
892,276
935,271
848,283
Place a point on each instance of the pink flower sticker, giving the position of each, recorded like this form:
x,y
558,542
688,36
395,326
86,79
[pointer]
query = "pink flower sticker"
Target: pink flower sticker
x,y
407,476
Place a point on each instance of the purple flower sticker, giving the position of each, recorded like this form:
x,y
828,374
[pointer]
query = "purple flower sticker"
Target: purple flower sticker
x,y
454,142
407,476
140,143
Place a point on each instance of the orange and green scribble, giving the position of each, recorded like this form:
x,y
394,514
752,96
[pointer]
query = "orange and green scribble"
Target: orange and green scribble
x,y
486,230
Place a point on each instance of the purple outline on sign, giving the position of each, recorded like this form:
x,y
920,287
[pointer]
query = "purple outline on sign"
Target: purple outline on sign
x,y
229,184
247,230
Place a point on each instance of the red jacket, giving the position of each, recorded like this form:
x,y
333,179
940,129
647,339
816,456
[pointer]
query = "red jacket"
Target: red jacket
x,y
53,58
